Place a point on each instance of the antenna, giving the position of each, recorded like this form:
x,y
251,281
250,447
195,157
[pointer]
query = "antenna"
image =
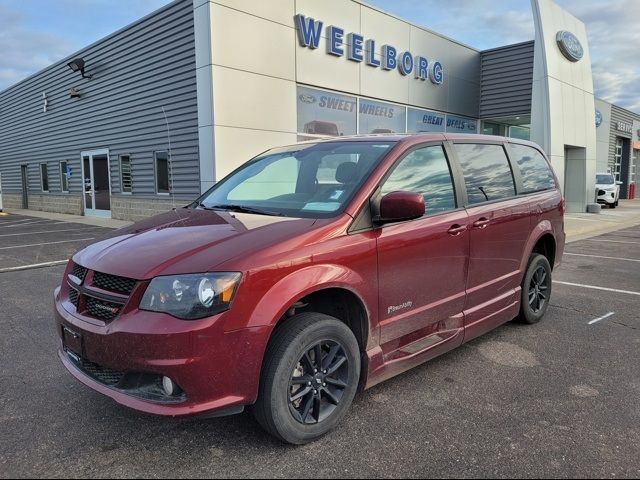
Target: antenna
x,y
169,160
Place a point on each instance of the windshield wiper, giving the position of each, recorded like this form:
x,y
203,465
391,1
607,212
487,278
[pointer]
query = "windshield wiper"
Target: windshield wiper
x,y
242,209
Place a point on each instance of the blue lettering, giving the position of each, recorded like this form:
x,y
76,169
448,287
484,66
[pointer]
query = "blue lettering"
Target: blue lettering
x,y
406,64
309,31
371,54
437,73
355,42
422,64
389,61
336,38
323,102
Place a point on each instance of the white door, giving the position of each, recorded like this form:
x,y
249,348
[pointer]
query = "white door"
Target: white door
x,y
96,178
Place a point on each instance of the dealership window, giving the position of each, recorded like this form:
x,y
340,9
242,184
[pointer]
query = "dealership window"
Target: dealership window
x,y
126,181
617,159
535,171
425,171
461,124
378,117
421,121
325,114
64,177
522,133
44,177
487,174
162,173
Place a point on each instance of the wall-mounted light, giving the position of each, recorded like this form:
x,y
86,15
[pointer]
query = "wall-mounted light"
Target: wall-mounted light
x,y
77,65
74,93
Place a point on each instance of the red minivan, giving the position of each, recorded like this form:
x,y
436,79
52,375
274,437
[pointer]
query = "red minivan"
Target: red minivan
x,y
311,272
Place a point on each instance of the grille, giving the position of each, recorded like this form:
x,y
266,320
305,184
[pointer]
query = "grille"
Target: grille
x,y
113,283
73,297
100,309
103,375
79,271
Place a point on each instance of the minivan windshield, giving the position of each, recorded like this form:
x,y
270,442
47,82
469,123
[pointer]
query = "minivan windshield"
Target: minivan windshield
x,y
313,180
604,179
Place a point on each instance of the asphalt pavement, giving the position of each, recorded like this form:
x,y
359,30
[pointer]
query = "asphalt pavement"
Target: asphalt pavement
x,y
557,399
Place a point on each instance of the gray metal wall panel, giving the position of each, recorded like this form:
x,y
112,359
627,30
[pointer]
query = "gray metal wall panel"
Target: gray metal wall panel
x,y
619,114
137,71
506,75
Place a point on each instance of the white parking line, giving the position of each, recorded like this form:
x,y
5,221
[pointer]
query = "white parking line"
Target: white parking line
x,y
11,222
611,241
78,230
34,265
34,223
593,287
601,318
601,256
47,243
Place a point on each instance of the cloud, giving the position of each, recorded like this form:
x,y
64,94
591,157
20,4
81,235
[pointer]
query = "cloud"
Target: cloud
x,y
612,27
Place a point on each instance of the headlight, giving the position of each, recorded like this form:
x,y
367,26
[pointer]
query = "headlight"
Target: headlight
x,y
191,297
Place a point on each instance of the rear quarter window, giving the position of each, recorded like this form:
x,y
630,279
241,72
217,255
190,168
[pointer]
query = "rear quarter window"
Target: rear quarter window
x,y
534,169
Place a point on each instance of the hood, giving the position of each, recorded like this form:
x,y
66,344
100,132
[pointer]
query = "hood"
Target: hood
x,y
186,241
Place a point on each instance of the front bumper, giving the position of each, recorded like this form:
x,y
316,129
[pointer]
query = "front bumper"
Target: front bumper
x,y
218,371
607,198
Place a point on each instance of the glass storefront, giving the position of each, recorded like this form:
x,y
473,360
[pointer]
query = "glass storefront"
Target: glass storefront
x,y
323,113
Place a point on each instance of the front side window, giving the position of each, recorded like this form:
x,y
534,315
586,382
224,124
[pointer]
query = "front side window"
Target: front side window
x,y
162,172
64,176
44,177
311,180
487,174
425,171
534,169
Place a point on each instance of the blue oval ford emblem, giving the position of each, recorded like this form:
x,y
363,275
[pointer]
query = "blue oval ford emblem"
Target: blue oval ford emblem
x,y
305,98
598,118
569,45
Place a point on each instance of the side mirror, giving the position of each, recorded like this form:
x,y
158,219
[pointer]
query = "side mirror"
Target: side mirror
x,y
618,183
399,206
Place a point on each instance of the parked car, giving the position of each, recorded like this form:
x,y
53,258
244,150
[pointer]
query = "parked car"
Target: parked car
x,y
318,127
288,294
608,189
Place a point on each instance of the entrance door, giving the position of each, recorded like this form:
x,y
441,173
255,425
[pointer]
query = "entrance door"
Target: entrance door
x,y
25,187
97,183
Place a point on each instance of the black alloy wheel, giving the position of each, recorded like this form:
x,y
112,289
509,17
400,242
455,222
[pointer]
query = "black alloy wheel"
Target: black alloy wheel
x,y
310,375
318,382
536,289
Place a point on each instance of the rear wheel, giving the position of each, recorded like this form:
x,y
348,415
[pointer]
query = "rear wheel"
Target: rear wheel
x,y
310,377
536,289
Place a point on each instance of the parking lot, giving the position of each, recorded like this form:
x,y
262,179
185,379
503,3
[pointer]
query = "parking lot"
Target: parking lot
x,y
557,399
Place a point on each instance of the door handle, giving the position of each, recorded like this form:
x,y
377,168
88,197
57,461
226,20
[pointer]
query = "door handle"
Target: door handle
x,y
456,230
482,222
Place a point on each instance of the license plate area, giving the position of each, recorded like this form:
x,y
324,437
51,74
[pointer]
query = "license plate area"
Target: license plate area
x,y
72,342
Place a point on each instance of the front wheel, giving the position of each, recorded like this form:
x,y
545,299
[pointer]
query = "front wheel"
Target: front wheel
x,y
310,377
536,289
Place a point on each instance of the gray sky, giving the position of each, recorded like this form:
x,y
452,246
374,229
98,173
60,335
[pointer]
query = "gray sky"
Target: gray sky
x,y
36,33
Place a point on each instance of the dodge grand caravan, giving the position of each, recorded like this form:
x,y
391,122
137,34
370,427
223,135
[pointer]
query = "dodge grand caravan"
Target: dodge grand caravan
x,y
311,272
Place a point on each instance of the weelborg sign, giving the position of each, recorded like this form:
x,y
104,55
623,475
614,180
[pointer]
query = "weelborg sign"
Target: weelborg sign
x,y
358,49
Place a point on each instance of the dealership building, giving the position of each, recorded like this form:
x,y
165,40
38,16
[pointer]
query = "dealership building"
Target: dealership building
x,y
151,116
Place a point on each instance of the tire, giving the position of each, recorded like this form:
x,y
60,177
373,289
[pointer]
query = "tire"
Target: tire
x,y
285,360
613,205
532,306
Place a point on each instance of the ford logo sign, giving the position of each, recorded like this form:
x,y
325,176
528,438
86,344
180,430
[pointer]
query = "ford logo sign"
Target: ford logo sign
x,y
304,98
598,118
569,45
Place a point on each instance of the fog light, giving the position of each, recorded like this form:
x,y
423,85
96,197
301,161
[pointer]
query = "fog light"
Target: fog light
x,y
168,386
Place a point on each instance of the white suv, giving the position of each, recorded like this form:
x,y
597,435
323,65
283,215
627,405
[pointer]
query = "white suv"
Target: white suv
x,y
608,189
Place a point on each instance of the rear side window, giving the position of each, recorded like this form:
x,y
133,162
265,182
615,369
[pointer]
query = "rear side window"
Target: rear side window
x,y
425,171
487,174
535,171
